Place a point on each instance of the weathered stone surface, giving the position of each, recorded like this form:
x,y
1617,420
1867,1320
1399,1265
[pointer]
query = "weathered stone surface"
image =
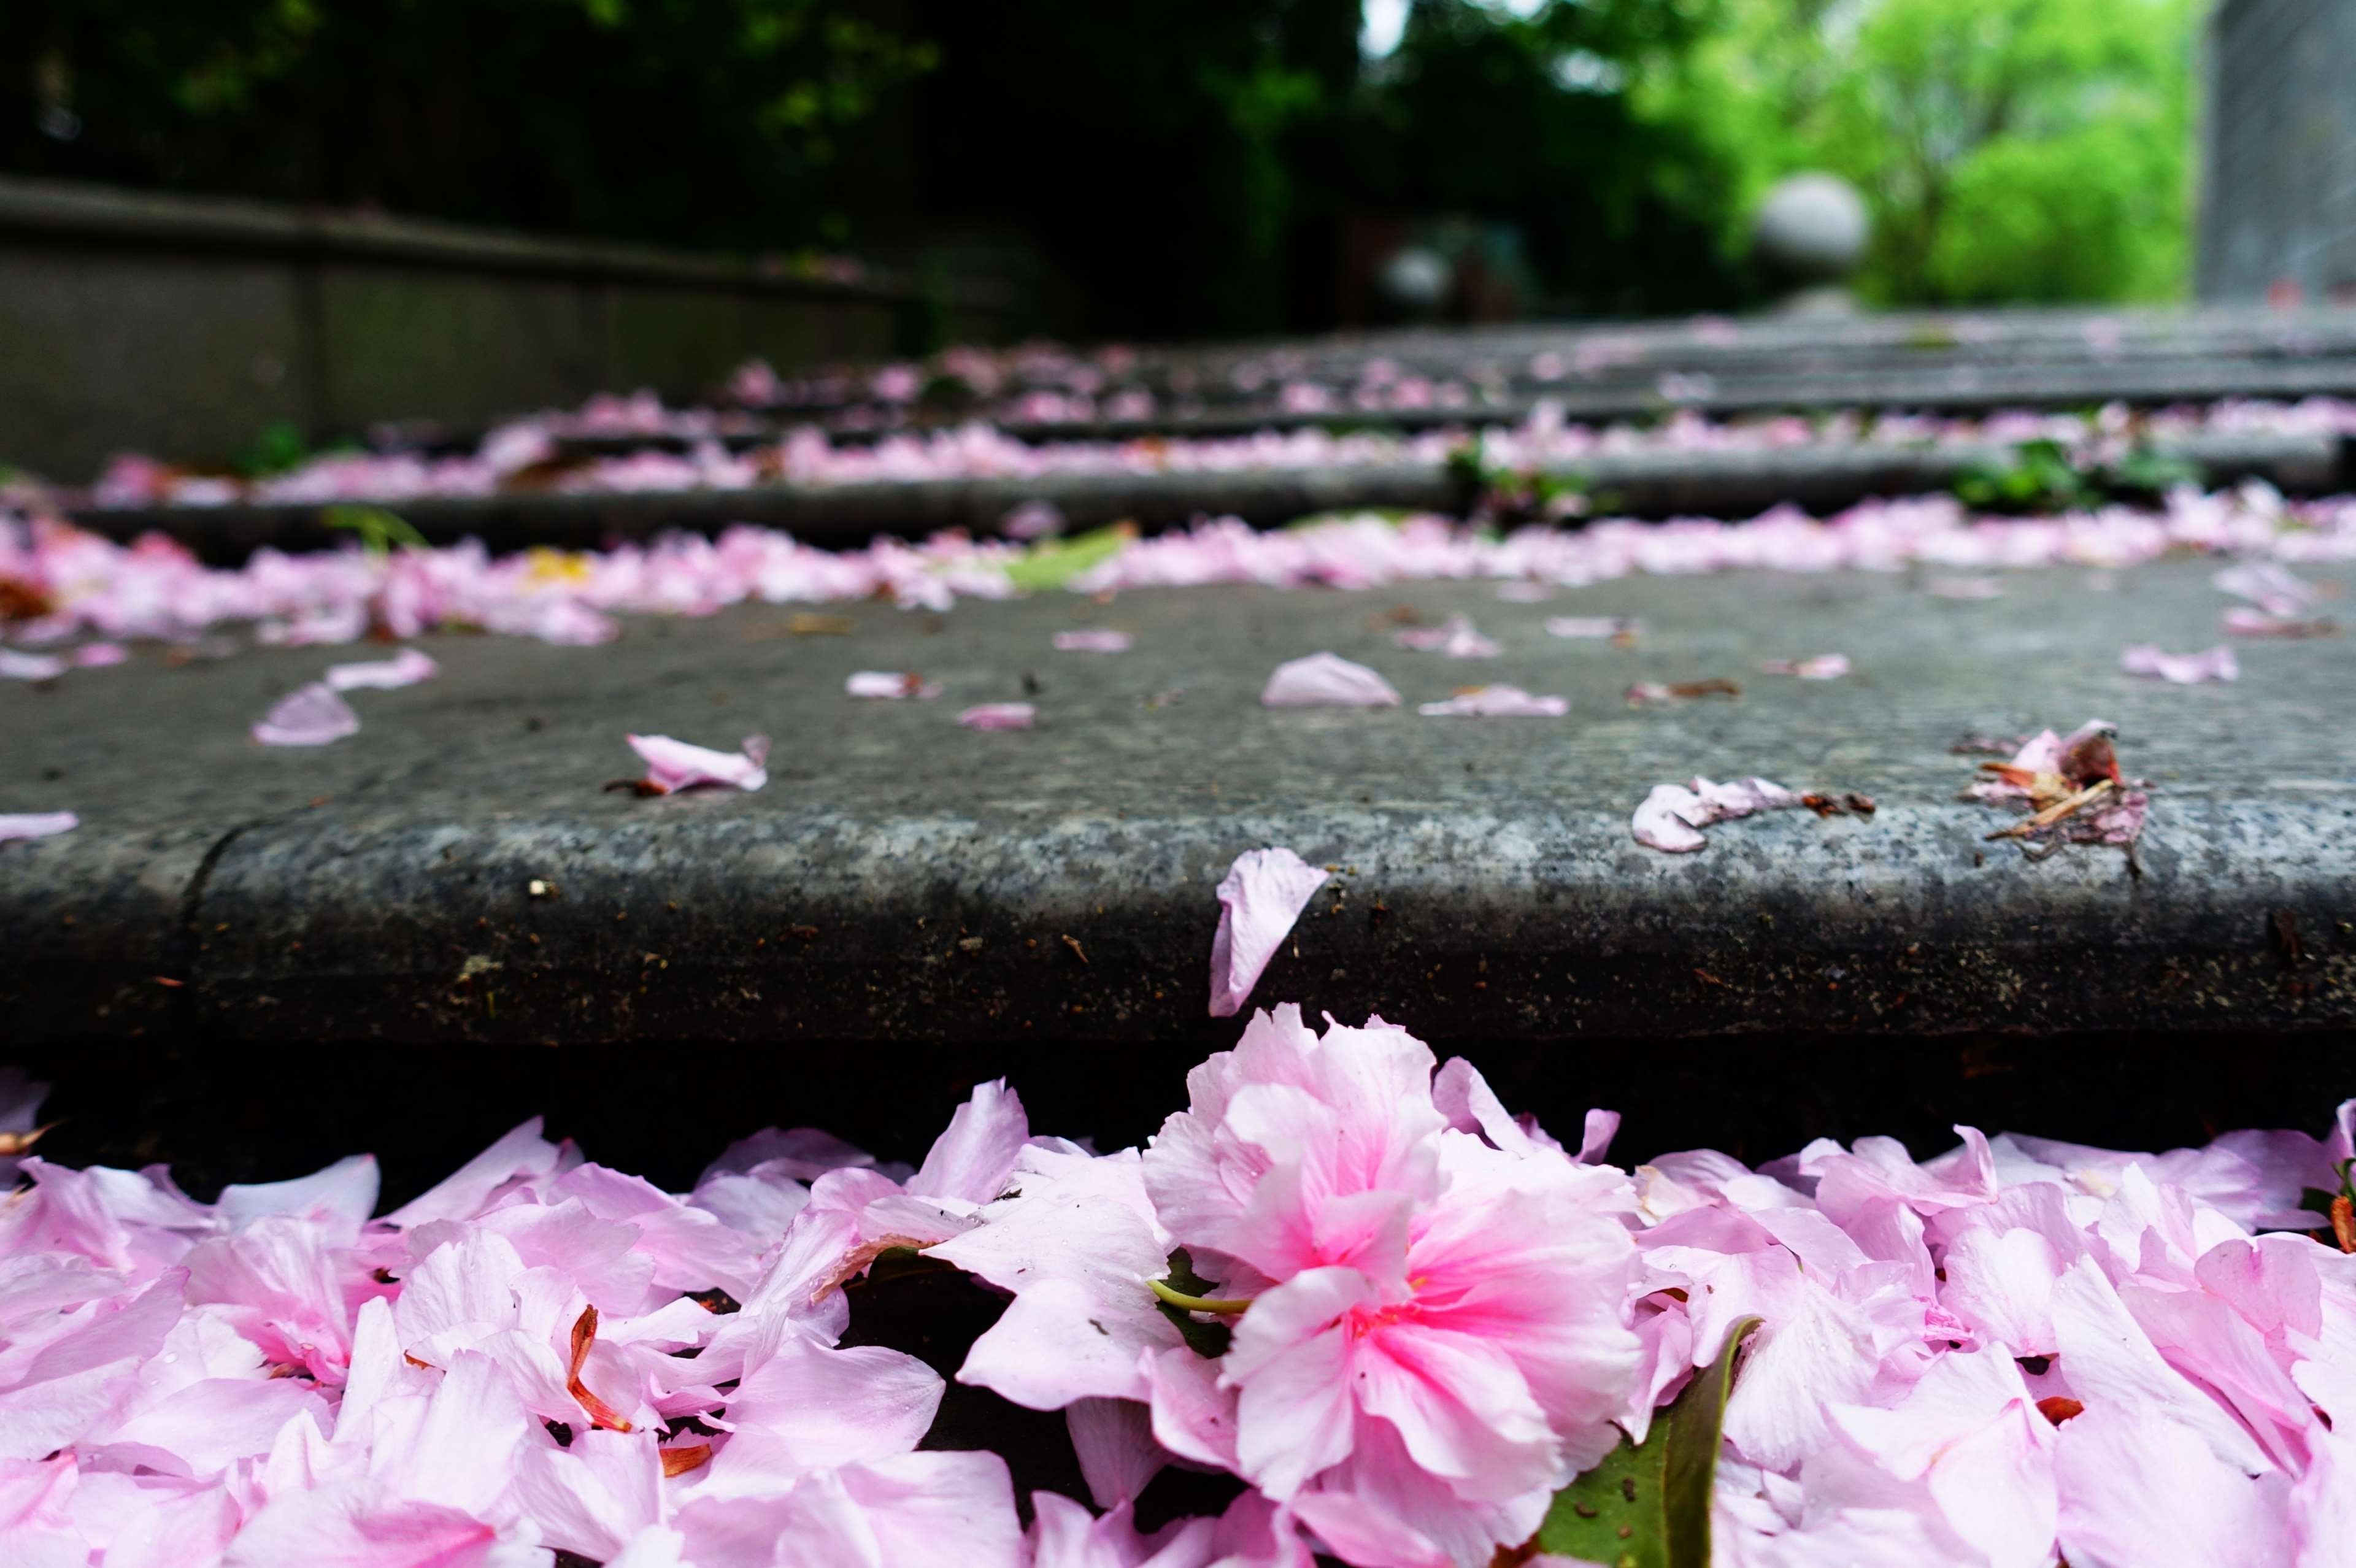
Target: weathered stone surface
x,y
909,906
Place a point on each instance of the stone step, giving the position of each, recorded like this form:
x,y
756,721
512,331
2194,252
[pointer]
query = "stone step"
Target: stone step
x,y
1821,479
909,904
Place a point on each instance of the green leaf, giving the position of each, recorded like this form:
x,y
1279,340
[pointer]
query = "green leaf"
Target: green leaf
x,y
1204,1339
1051,563
1648,1506
278,448
379,529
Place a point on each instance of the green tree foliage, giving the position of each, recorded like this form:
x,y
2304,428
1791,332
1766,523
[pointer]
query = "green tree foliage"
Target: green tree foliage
x,y
2010,149
1178,166
1529,121
705,120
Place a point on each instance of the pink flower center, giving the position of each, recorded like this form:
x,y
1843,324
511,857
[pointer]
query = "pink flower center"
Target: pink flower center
x,y
1364,1320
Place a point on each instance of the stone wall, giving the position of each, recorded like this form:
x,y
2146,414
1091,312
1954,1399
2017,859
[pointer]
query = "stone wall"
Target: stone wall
x,y
183,326
2279,189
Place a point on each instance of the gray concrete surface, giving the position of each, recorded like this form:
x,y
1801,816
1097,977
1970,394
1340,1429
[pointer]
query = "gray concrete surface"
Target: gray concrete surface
x,y
903,879
181,326
2279,185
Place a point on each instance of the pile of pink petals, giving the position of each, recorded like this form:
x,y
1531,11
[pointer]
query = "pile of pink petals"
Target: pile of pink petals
x,y
1405,1317
521,451
156,590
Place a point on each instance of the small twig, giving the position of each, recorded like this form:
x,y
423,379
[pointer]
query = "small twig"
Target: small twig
x,y
2067,806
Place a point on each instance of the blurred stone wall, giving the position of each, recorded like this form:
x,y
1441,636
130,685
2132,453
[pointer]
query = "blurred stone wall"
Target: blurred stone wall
x,y
183,326
2278,187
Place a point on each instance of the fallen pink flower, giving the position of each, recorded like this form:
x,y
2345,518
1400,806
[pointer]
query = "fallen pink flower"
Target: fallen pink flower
x,y
36,824
1456,638
2073,788
998,716
1592,626
892,686
1823,667
1496,702
405,668
1668,816
1260,897
1430,1328
100,655
1327,680
310,715
14,665
1093,640
673,765
2181,669
2243,621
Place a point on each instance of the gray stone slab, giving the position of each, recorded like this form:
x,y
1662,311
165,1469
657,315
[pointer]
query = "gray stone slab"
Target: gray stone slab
x,y
903,881
1642,484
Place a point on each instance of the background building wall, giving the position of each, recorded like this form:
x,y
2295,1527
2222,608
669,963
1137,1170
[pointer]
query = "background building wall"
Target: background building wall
x,y
183,326
2279,196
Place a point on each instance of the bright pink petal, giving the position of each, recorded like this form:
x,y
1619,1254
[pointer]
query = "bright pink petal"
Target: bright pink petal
x,y
1260,897
1291,1357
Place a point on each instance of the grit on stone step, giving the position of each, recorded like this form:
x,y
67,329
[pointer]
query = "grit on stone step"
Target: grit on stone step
x,y
236,934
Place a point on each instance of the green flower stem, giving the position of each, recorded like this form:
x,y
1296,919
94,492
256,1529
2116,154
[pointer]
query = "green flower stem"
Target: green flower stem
x,y
1227,1307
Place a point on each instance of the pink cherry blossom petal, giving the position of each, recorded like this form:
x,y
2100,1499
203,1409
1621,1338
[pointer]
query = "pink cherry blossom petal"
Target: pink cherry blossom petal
x,y
311,715
1327,680
405,668
1668,817
1456,638
1260,897
1821,667
16,666
2181,669
891,686
998,716
1496,702
1093,640
673,765
35,824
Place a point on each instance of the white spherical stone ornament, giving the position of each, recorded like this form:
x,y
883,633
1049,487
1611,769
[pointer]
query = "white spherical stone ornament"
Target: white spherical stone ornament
x,y
1812,226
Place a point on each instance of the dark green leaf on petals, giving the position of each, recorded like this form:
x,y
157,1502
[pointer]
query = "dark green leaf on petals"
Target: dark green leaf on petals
x,y
1204,1338
1648,1506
